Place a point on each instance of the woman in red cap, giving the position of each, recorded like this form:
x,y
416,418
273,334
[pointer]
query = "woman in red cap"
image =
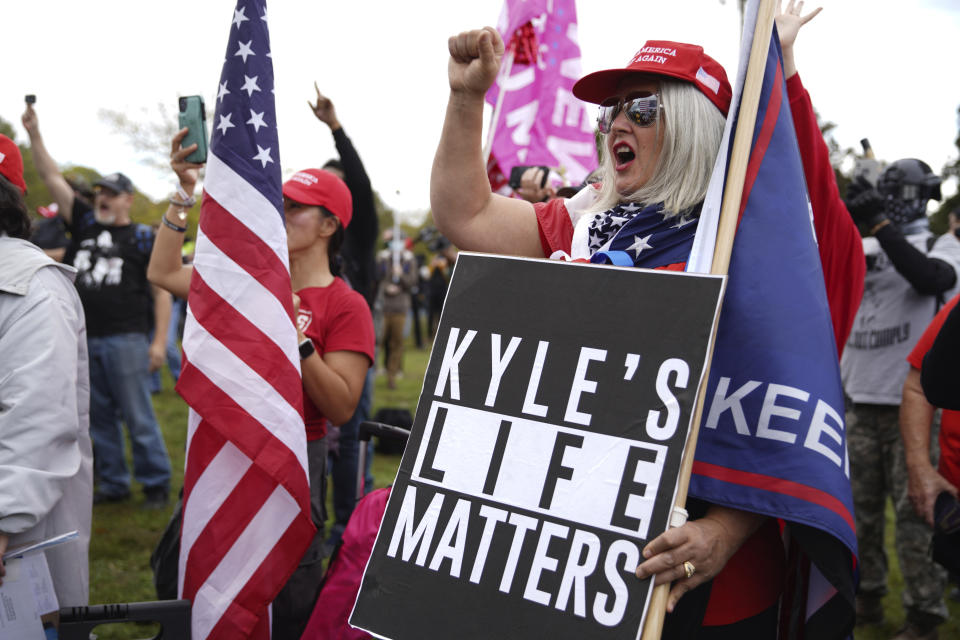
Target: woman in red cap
x,y
662,124
334,327
661,120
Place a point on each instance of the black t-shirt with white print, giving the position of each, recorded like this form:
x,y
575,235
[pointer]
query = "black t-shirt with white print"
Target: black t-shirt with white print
x,y
111,263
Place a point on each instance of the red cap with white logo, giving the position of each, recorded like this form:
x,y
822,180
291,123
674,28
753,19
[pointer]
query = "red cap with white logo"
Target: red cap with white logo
x,y
317,187
11,163
662,57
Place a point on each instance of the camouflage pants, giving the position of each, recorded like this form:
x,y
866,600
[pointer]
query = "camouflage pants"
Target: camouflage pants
x,y
878,469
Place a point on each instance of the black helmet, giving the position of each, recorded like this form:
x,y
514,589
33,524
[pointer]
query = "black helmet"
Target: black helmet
x,y
910,179
908,184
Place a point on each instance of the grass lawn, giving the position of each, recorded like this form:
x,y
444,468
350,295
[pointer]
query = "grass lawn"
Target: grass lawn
x,y
124,535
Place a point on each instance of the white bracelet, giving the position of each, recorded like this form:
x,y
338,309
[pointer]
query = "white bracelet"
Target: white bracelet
x,y
186,203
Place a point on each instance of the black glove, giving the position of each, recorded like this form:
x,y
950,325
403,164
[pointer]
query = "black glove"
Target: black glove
x,y
865,204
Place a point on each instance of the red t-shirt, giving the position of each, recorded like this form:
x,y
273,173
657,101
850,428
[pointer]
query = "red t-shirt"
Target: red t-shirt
x,y
556,229
335,318
949,420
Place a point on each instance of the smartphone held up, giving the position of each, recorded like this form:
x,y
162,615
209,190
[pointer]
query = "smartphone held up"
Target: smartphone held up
x,y
516,175
194,117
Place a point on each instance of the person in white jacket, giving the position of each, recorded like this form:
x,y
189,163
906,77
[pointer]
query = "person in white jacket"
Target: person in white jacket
x,y
46,473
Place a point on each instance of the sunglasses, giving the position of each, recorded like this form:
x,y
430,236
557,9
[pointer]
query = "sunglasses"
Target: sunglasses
x,y
641,110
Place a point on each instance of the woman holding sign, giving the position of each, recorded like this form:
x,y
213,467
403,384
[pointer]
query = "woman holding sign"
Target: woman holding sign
x,y
661,119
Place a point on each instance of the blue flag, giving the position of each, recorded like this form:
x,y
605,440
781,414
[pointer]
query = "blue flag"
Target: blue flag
x,y
772,439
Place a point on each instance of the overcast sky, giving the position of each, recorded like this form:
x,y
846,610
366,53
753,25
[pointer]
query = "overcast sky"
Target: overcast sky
x,y
880,69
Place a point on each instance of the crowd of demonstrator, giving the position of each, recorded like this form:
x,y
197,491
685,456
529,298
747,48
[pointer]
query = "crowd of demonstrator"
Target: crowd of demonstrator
x,y
90,322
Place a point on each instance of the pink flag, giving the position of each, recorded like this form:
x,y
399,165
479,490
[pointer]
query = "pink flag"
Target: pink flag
x,y
538,121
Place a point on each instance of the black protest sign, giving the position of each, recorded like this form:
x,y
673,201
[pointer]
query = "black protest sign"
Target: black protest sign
x,y
544,453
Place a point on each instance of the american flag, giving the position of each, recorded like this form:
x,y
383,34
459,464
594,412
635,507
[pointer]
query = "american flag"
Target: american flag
x,y
246,513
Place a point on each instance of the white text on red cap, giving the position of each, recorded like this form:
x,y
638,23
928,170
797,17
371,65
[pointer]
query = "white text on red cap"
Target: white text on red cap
x,y
654,54
305,178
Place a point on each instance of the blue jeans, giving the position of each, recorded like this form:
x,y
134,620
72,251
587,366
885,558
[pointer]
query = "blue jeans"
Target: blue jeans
x,y
343,466
177,310
173,349
120,389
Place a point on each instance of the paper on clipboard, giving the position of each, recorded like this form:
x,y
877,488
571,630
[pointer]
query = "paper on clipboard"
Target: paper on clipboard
x,y
26,594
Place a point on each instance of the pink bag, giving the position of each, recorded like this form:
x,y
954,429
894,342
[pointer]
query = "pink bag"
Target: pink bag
x,y
342,581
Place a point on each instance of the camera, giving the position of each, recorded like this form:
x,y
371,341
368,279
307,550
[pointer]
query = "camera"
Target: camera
x,y
30,98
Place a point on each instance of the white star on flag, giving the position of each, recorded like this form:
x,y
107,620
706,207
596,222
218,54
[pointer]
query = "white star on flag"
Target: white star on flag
x,y
682,221
249,85
244,50
238,17
633,206
639,244
263,156
223,91
256,119
225,123
264,16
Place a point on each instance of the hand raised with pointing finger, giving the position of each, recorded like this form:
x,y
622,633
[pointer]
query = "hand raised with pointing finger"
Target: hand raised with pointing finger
x,y
474,60
324,109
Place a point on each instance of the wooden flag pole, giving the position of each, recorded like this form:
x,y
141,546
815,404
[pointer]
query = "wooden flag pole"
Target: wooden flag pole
x,y
726,230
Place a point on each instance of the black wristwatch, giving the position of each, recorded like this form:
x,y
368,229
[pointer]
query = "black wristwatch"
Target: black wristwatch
x,y
306,348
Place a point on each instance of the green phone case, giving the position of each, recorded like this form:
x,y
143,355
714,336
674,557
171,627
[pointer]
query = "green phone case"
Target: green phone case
x,y
192,115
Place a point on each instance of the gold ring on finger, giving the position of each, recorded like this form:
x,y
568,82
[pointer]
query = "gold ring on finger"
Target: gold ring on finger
x,y
689,569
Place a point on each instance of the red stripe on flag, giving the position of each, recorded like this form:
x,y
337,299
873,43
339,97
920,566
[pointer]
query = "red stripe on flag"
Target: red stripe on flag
x,y
776,485
203,445
245,340
225,526
269,572
253,439
246,249
763,139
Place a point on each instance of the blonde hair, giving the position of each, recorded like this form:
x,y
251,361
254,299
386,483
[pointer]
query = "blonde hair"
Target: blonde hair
x,y
692,131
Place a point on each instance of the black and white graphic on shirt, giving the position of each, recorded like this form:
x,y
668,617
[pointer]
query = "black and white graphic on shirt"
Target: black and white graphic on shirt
x,y
98,261
544,453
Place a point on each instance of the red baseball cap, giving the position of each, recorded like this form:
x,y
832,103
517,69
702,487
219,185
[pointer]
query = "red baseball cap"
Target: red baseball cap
x,y
665,58
11,163
321,188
